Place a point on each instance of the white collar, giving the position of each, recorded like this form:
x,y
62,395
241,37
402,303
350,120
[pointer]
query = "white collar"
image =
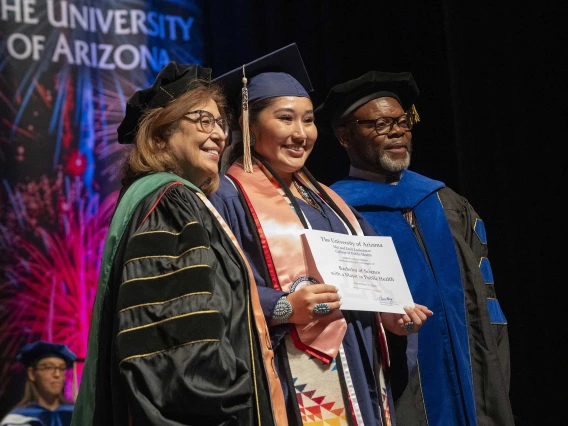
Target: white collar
x,y
367,175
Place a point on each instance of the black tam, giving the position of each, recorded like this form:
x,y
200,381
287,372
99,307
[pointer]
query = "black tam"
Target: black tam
x,y
345,98
172,81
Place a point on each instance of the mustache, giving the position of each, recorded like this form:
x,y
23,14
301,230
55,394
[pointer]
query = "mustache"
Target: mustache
x,y
405,145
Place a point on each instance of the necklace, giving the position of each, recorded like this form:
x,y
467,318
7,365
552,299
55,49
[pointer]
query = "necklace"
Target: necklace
x,y
306,196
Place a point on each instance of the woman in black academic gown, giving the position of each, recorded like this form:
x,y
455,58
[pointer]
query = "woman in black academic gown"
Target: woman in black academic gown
x,y
177,336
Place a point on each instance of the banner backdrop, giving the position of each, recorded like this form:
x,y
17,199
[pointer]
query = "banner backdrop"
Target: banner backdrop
x,y
67,69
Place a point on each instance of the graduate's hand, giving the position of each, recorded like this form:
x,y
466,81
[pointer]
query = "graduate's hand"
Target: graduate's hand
x,y
304,301
395,322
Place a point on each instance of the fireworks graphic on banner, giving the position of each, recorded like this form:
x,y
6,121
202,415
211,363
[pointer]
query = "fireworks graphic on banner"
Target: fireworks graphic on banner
x,y
54,224
59,156
52,277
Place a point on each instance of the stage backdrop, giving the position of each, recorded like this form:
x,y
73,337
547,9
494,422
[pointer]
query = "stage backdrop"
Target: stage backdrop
x,y
67,69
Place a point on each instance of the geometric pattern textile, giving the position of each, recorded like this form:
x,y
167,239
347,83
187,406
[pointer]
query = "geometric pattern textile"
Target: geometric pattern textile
x,y
318,390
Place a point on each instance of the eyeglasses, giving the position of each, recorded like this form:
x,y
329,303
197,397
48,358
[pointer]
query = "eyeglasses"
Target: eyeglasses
x,y
51,368
383,125
207,121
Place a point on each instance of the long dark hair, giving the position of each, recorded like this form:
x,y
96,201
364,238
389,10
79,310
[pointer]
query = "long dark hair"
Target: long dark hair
x,y
255,109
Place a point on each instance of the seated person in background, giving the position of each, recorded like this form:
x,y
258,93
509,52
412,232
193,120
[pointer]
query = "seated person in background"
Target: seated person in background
x,y
44,403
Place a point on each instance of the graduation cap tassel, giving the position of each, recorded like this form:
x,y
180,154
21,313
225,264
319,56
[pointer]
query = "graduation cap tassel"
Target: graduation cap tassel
x,y
414,115
247,161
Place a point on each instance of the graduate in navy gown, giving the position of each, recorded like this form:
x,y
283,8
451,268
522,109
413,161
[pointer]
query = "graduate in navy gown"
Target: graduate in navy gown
x,y
332,363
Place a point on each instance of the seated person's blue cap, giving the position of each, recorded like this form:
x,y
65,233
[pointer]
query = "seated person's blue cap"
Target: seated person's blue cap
x,y
30,354
280,73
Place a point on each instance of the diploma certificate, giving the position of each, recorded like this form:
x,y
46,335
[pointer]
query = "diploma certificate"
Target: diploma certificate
x,y
366,269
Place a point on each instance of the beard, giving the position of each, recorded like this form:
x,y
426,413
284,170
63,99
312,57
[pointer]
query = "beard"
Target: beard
x,y
379,160
391,165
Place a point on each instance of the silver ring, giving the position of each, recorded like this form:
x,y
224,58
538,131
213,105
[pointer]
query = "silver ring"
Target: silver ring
x,y
409,327
322,309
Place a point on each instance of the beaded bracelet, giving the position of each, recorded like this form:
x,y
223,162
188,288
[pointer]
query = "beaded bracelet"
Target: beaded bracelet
x,y
282,310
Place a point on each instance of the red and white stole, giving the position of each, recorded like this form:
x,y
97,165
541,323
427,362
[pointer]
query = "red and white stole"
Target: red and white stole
x,y
280,230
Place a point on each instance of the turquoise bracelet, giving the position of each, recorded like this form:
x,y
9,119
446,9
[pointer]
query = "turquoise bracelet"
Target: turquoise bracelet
x,y
282,310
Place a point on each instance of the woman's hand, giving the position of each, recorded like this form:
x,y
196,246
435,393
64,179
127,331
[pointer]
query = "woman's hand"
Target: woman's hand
x,y
401,324
304,301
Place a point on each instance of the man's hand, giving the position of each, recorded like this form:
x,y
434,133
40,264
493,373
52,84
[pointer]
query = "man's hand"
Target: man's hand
x,y
395,323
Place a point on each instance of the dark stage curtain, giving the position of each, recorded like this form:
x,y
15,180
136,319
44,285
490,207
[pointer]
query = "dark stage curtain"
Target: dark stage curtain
x,y
490,105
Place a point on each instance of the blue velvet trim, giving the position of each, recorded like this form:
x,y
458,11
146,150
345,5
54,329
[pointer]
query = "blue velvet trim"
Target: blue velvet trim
x,y
443,347
59,417
410,190
439,243
486,270
496,315
479,229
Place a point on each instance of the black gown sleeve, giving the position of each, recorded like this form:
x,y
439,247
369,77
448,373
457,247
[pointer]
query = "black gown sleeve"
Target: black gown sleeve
x,y
487,325
175,313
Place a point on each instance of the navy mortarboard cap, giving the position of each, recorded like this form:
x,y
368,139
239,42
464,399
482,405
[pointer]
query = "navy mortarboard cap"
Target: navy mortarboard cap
x,y
280,73
33,352
345,98
171,82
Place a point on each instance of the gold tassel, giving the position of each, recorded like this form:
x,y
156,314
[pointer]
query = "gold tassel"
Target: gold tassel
x,y
247,160
414,117
74,388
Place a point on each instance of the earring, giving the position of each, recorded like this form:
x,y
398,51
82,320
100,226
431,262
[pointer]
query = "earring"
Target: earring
x,y
252,139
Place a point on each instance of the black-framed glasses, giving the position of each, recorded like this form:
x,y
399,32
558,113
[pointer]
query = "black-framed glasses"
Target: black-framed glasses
x,y
383,125
49,368
207,121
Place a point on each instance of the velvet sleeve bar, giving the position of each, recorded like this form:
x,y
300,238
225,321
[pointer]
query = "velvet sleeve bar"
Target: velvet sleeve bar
x,y
175,307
